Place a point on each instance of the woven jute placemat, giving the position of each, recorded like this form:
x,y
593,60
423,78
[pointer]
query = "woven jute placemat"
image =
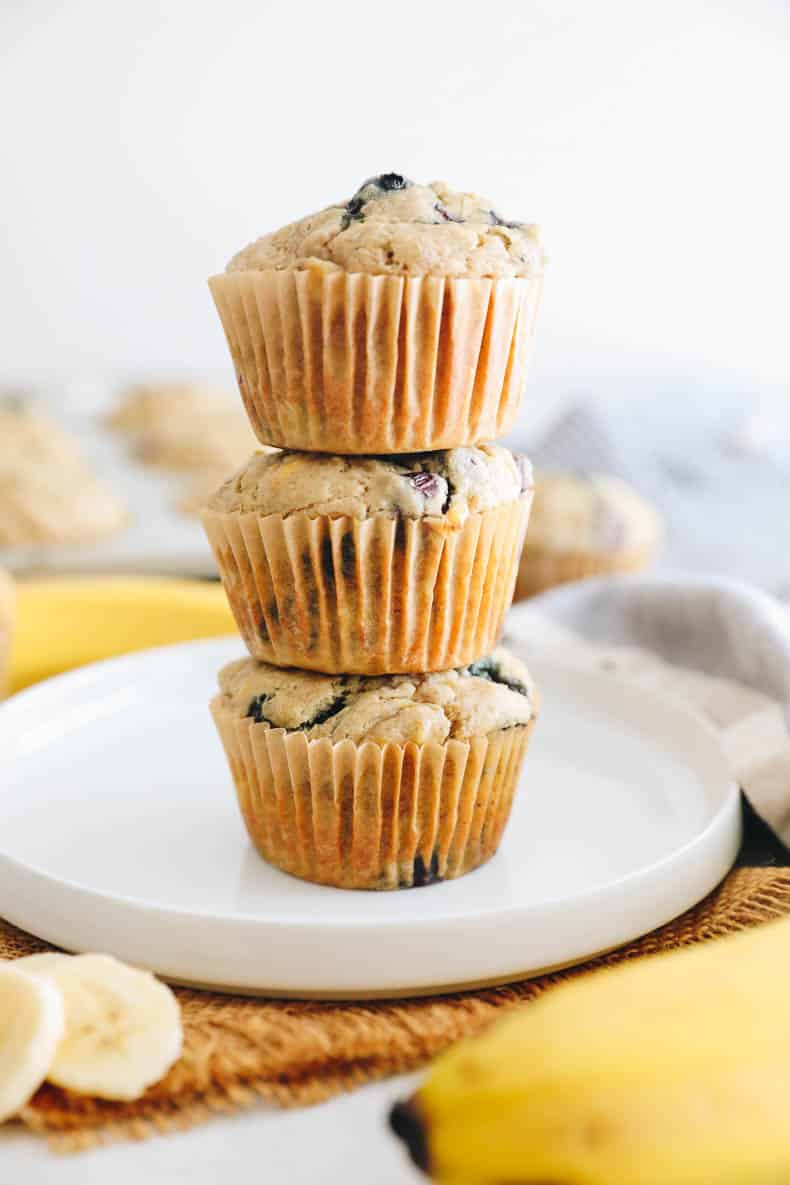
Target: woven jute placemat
x,y
239,1050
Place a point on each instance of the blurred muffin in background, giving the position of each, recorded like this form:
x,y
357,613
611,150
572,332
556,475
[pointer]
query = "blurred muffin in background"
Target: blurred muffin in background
x,y
198,492
585,526
7,607
184,427
48,494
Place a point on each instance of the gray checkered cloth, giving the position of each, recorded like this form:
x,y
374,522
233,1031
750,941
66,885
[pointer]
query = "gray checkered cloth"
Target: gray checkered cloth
x,y
717,468
705,628
719,646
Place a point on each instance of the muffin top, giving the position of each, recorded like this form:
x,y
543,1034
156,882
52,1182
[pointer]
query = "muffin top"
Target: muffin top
x,y
595,513
48,494
496,692
393,226
451,484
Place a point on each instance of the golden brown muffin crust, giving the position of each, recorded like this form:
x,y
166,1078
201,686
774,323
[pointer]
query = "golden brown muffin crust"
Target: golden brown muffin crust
x,y
393,227
495,693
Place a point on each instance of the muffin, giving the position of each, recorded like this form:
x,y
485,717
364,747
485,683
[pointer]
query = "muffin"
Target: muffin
x,y
6,628
585,526
371,565
183,427
399,321
375,783
47,492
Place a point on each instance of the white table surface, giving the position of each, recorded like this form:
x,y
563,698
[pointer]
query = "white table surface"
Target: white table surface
x,y
345,1140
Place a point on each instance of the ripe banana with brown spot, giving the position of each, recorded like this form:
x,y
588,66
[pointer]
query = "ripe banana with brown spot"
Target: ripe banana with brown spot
x,y
672,1070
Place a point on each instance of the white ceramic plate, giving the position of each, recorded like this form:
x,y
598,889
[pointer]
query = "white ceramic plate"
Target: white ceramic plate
x,y
119,832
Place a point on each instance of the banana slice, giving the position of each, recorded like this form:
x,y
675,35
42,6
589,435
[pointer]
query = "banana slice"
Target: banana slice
x,y
31,1027
123,1027
41,964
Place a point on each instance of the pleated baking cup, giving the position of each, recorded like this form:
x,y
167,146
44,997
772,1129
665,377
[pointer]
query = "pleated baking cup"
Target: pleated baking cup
x,y
543,568
369,596
371,816
332,362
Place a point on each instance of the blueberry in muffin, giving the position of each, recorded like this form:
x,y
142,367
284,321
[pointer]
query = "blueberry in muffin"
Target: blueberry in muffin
x,y
371,565
391,226
493,693
398,320
376,783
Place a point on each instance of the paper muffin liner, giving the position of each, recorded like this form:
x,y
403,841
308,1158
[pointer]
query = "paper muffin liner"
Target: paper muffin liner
x,y
371,816
327,361
541,568
369,596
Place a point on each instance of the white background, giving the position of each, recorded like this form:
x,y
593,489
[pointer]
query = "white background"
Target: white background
x,y
143,143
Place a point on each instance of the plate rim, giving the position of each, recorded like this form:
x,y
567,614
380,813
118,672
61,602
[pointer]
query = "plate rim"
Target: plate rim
x,y
723,826
90,670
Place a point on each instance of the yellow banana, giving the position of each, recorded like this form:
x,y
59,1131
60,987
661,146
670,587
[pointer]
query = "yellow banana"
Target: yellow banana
x,y
7,611
673,1070
65,623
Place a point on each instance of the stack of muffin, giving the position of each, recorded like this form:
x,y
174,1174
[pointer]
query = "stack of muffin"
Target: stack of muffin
x,y
374,736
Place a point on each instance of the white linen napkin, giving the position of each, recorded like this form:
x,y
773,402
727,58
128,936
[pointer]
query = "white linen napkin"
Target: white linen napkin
x,y
721,646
